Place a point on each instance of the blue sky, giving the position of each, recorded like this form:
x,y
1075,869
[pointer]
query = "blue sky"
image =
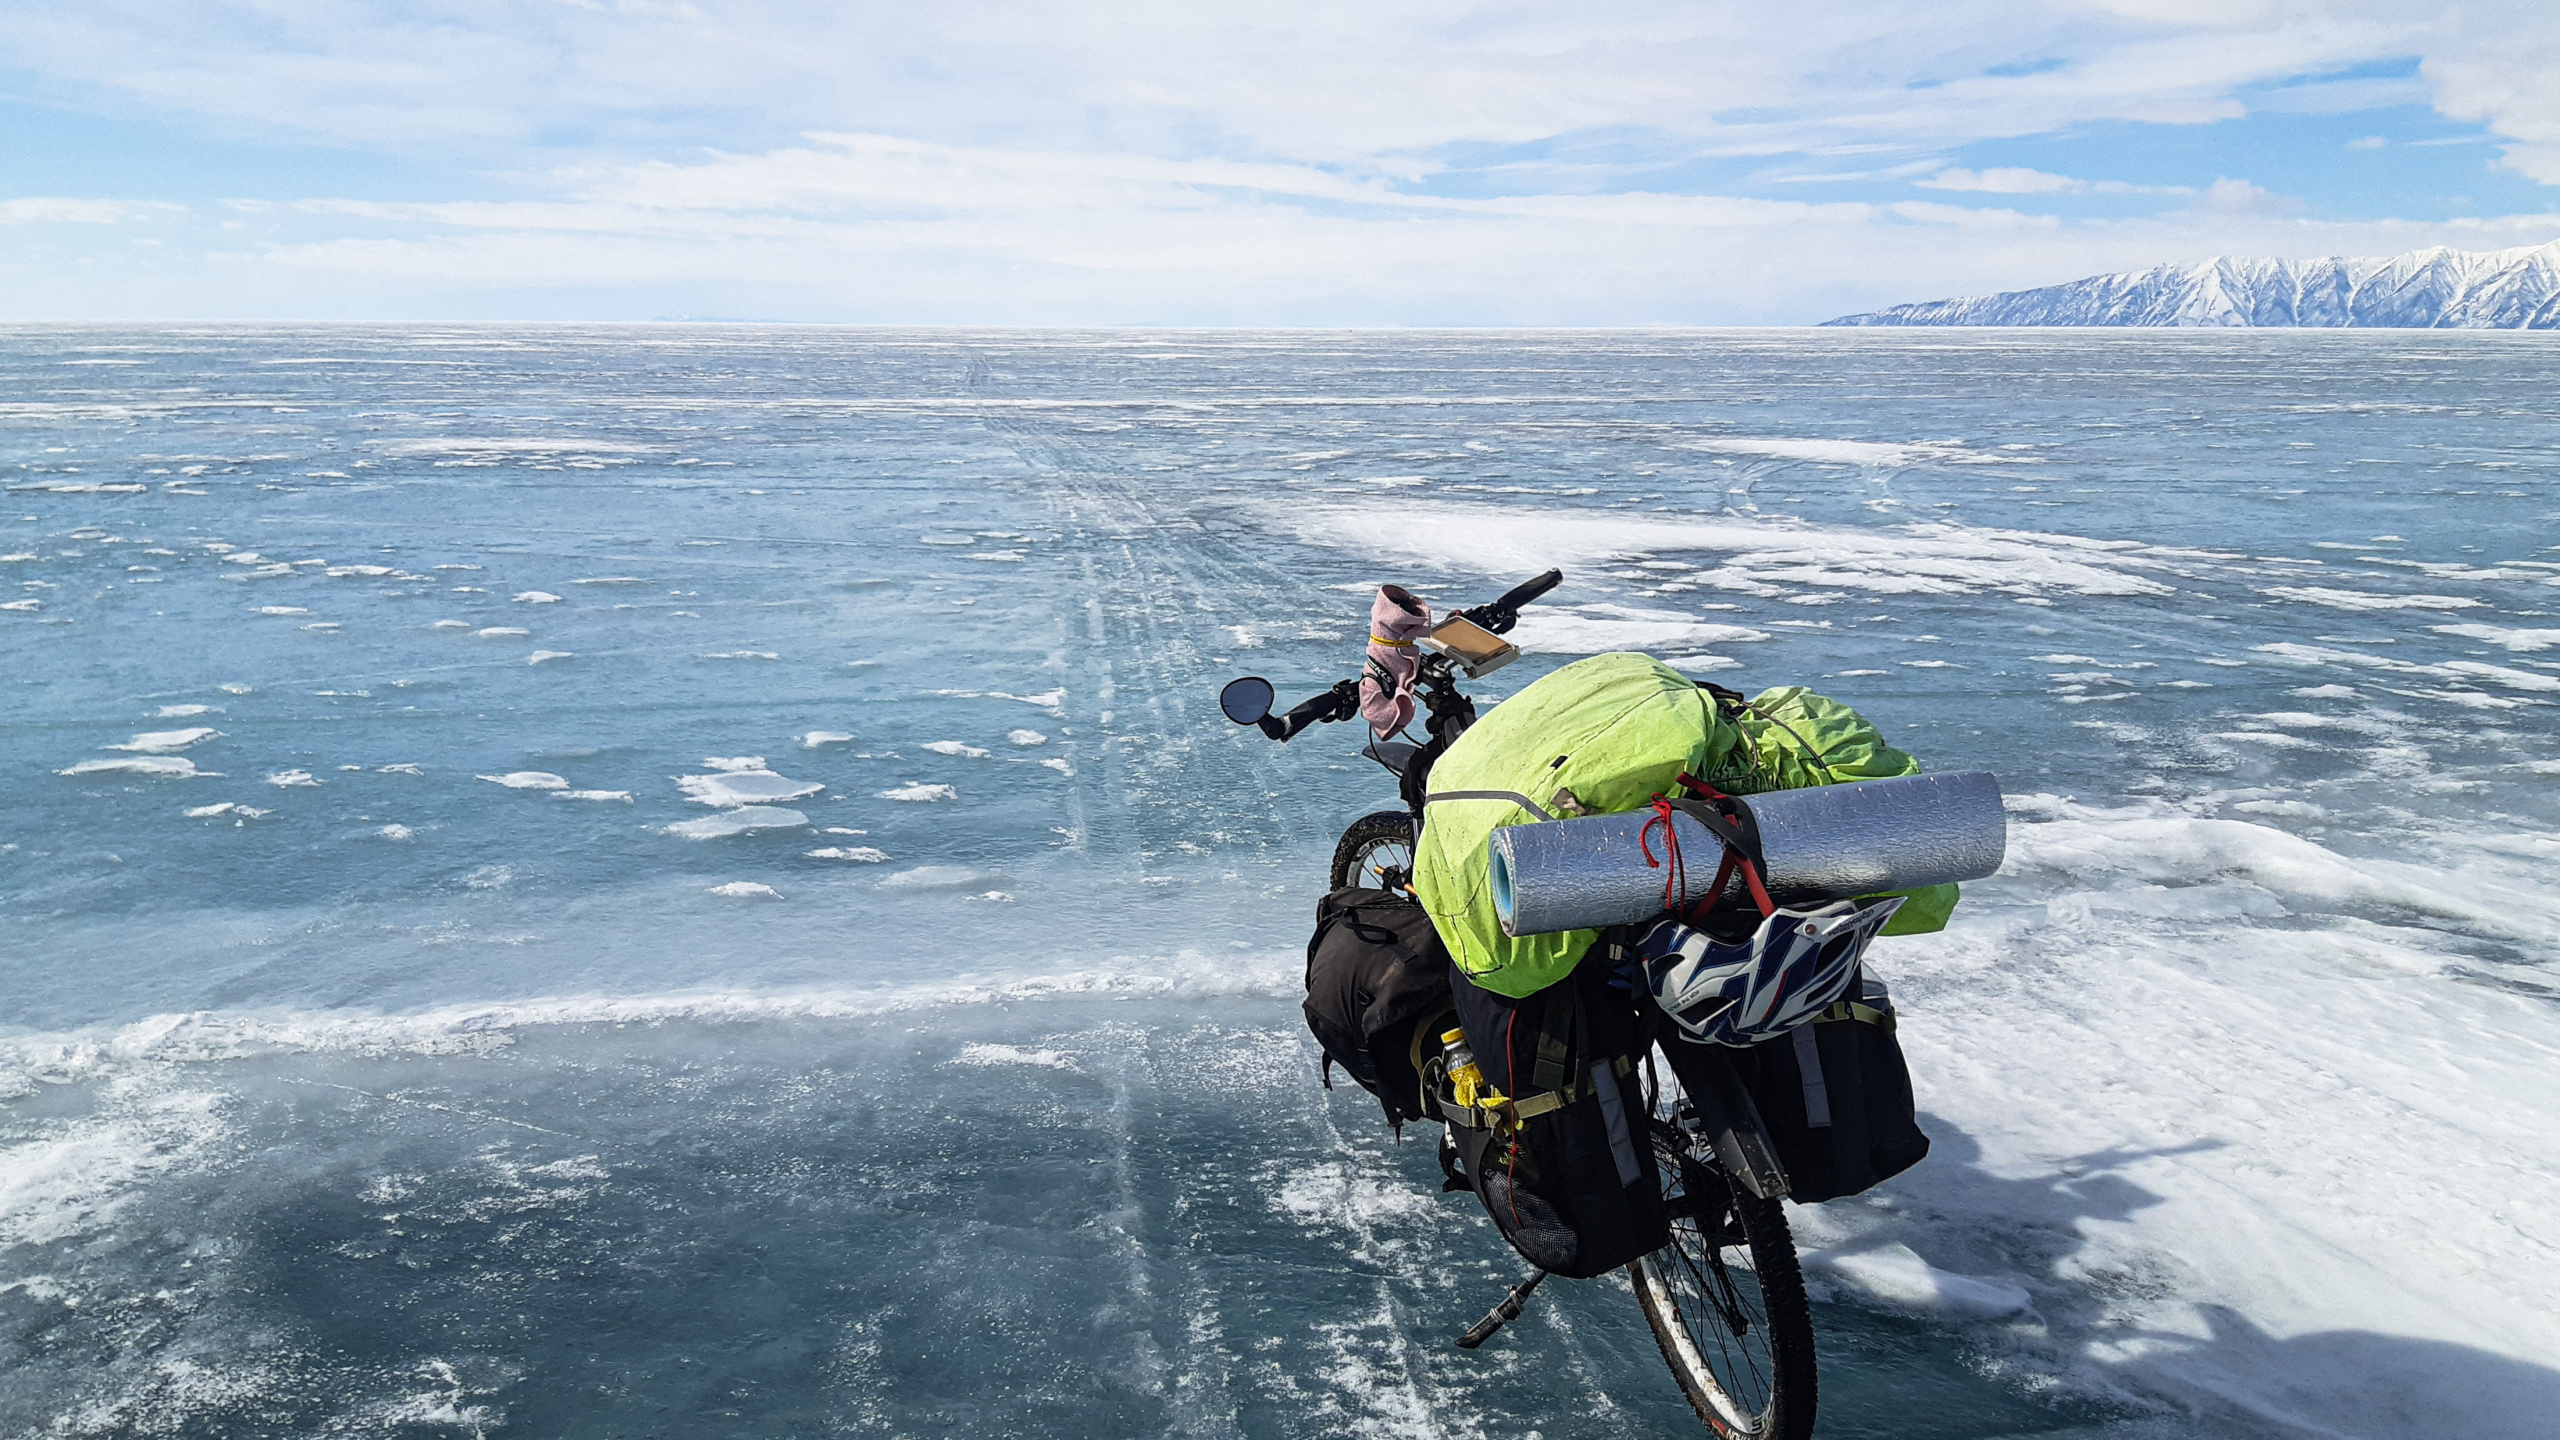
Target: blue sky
x,y
1382,163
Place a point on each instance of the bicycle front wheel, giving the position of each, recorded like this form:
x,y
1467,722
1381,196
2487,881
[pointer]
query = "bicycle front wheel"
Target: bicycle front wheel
x,y
1726,1302
1376,853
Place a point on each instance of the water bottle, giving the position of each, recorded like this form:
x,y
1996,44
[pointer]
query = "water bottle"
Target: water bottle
x,y
1466,1080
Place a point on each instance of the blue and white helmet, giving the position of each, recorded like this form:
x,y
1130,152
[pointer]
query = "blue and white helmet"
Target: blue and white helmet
x,y
1795,966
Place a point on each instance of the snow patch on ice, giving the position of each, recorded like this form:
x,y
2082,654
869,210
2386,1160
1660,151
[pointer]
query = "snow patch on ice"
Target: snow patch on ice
x,y
920,793
1334,1194
529,780
954,747
1561,632
2521,641
996,1055
1897,1276
2365,600
743,889
1761,556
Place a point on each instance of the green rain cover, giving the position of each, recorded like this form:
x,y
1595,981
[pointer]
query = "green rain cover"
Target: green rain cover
x,y
1613,731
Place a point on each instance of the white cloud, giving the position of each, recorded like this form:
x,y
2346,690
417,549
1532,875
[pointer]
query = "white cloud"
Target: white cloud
x,y
2007,180
37,210
1152,161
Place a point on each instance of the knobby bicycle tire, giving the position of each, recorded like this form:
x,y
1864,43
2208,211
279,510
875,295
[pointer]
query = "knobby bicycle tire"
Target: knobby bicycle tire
x,y
1704,1308
1381,835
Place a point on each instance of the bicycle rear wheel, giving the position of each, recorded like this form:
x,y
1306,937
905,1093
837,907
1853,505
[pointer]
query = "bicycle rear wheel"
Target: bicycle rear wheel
x,y
1376,853
1726,1301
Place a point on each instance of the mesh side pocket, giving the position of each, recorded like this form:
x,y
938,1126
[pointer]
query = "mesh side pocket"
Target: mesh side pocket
x,y
1529,1222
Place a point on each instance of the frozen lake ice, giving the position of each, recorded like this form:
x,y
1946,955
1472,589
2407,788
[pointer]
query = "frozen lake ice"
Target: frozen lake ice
x,y
689,880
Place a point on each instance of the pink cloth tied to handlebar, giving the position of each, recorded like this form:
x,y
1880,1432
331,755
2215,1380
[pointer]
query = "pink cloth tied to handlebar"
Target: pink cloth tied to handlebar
x,y
1396,621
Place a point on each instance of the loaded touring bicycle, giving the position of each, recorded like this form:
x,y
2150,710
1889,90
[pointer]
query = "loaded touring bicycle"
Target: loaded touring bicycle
x,y
1636,1096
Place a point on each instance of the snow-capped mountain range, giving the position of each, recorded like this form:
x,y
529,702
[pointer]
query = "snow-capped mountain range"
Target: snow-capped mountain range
x,y
2436,288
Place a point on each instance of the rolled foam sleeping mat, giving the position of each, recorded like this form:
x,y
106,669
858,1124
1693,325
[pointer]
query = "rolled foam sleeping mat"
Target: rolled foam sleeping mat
x,y
1823,843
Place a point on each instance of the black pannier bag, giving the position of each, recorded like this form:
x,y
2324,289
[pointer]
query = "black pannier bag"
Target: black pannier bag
x,y
1375,970
1835,1097
1567,1171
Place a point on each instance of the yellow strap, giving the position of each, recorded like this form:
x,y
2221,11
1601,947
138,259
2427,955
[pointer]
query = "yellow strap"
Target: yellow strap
x,y
1865,1014
1390,644
1545,1100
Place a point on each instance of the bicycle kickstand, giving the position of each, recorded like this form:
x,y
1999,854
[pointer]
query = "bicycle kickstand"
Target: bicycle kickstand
x,y
1502,1314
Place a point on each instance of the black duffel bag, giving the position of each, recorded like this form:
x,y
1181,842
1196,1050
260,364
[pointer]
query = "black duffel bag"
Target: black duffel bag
x,y
1375,971
1835,1097
1566,1168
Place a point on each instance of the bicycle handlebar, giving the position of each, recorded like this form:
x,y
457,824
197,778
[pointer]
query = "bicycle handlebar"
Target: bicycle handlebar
x,y
1339,703
1342,700
1500,615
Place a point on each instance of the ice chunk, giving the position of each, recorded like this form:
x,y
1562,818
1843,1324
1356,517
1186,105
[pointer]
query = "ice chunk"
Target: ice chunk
x,y
528,780
1059,764
742,889
743,787
405,767
738,822
181,712
396,832
863,854
920,793
161,742
173,767
289,779
206,812
536,597
501,631
1027,737
816,738
943,877
954,747
1700,664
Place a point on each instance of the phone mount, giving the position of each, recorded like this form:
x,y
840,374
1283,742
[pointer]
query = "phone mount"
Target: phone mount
x,y
1471,647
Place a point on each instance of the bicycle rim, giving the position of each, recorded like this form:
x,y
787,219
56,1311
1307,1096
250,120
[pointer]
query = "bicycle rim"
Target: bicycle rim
x,y
1741,1354
1376,853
